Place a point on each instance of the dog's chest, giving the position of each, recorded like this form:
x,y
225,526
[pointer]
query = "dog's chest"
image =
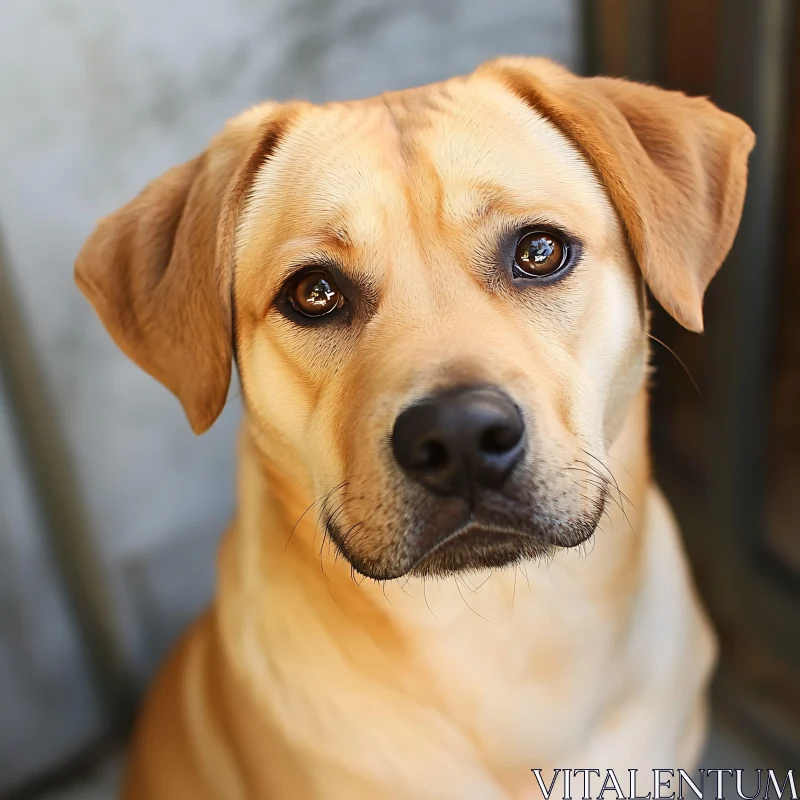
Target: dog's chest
x,y
524,668
473,679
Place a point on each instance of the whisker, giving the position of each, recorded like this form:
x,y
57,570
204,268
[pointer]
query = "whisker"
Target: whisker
x,y
625,469
514,592
524,566
608,470
324,499
622,496
425,596
234,396
678,359
483,582
466,603
321,562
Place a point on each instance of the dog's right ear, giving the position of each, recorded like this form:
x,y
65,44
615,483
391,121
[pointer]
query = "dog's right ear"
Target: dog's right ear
x,y
158,271
674,167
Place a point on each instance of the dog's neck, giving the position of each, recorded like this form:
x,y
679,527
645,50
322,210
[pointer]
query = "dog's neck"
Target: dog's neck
x,y
275,560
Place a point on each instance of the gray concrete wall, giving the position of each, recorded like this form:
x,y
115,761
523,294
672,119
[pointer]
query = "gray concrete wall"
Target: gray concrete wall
x,y
96,98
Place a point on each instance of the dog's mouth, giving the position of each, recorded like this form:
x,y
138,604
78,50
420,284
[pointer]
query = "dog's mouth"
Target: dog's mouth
x,y
463,541
479,545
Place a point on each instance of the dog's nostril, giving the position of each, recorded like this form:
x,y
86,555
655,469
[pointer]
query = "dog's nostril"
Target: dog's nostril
x,y
430,455
499,439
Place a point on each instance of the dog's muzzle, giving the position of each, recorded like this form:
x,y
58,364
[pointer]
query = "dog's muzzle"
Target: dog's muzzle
x,y
471,498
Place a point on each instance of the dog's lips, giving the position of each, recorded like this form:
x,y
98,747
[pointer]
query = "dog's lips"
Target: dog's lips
x,y
480,544
471,534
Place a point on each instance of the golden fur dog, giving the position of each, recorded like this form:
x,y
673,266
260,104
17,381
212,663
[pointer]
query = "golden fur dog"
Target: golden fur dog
x,y
435,300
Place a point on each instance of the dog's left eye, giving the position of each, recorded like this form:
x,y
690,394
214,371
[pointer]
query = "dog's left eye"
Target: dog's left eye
x,y
315,294
539,254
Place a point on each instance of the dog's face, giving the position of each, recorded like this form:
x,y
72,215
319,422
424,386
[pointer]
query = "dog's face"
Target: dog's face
x,y
438,318
436,297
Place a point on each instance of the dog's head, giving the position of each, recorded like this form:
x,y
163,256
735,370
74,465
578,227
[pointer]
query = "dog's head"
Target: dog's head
x,y
435,298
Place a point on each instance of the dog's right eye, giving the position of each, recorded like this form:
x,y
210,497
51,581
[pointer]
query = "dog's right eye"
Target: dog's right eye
x,y
540,254
315,294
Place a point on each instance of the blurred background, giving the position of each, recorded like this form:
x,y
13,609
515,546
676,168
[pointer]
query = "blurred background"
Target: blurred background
x,y
110,509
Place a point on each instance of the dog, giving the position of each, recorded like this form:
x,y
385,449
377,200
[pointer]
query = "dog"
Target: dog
x,y
449,563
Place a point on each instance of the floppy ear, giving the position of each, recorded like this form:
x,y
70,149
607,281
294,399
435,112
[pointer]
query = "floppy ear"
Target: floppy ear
x,y
674,167
158,270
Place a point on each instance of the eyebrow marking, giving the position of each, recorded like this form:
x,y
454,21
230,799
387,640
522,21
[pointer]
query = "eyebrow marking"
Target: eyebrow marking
x,y
342,238
273,133
491,202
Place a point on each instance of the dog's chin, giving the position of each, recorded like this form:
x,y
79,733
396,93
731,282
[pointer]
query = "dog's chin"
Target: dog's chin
x,y
471,546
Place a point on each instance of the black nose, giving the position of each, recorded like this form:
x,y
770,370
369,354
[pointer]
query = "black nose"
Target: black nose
x,y
459,440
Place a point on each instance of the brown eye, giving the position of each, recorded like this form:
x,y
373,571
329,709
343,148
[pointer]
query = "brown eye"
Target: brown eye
x,y
315,294
539,254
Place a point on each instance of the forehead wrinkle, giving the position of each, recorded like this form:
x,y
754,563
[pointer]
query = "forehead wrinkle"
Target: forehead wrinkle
x,y
414,114
327,159
474,204
509,152
402,110
424,194
333,183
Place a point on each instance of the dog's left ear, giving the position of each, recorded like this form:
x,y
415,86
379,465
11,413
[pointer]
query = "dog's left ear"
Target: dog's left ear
x,y
674,167
158,270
